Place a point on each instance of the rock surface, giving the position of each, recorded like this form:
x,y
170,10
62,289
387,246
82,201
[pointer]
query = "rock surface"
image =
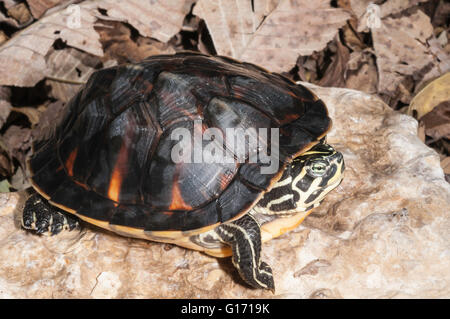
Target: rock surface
x,y
383,233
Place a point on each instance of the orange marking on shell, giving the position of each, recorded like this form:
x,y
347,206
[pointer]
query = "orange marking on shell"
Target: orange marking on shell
x,y
293,95
184,112
291,117
81,184
70,161
118,173
224,180
178,202
148,87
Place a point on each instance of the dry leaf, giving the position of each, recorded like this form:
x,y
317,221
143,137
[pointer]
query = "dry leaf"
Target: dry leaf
x,y
20,13
437,122
400,50
6,165
270,33
362,74
441,66
22,58
157,19
336,72
233,23
9,3
441,13
445,164
8,20
19,180
421,132
17,141
434,93
359,7
120,45
38,7
22,61
205,44
307,68
49,117
3,37
5,187
352,39
442,39
31,113
72,67
5,105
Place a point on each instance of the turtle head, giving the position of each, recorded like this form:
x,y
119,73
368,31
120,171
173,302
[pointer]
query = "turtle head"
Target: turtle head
x,y
305,182
314,174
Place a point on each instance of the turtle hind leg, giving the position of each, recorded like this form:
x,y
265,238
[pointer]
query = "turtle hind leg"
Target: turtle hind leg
x,y
39,215
244,237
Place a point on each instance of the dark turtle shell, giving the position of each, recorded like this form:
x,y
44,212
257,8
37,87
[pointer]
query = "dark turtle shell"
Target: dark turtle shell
x,y
109,160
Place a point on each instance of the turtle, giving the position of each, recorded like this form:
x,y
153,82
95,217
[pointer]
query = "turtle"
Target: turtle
x,y
114,159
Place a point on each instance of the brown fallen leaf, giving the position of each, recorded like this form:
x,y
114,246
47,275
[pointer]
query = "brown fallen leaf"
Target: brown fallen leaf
x,y
327,67
400,48
5,105
8,20
441,65
21,14
160,20
359,7
352,38
421,132
205,44
442,38
3,37
31,113
441,13
430,96
20,181
22,58
120,45
6,165
9,3
437,122
270,33
335,74
445,164
232,23
362,74
39,7
17,141
308,67
68,70
48,119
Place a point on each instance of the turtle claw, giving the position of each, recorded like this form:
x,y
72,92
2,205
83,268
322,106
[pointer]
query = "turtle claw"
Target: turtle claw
x,y
266,276
45,219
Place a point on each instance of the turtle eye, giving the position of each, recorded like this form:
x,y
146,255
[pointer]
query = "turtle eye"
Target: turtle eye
x,y
317,168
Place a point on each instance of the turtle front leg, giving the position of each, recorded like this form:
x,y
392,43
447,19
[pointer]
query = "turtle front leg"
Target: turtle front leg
x,y
244,237
44,218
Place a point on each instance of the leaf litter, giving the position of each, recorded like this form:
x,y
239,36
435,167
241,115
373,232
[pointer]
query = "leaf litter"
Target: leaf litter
x,y
397,49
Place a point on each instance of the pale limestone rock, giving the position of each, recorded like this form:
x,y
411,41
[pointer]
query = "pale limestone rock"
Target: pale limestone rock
x,y
383,233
